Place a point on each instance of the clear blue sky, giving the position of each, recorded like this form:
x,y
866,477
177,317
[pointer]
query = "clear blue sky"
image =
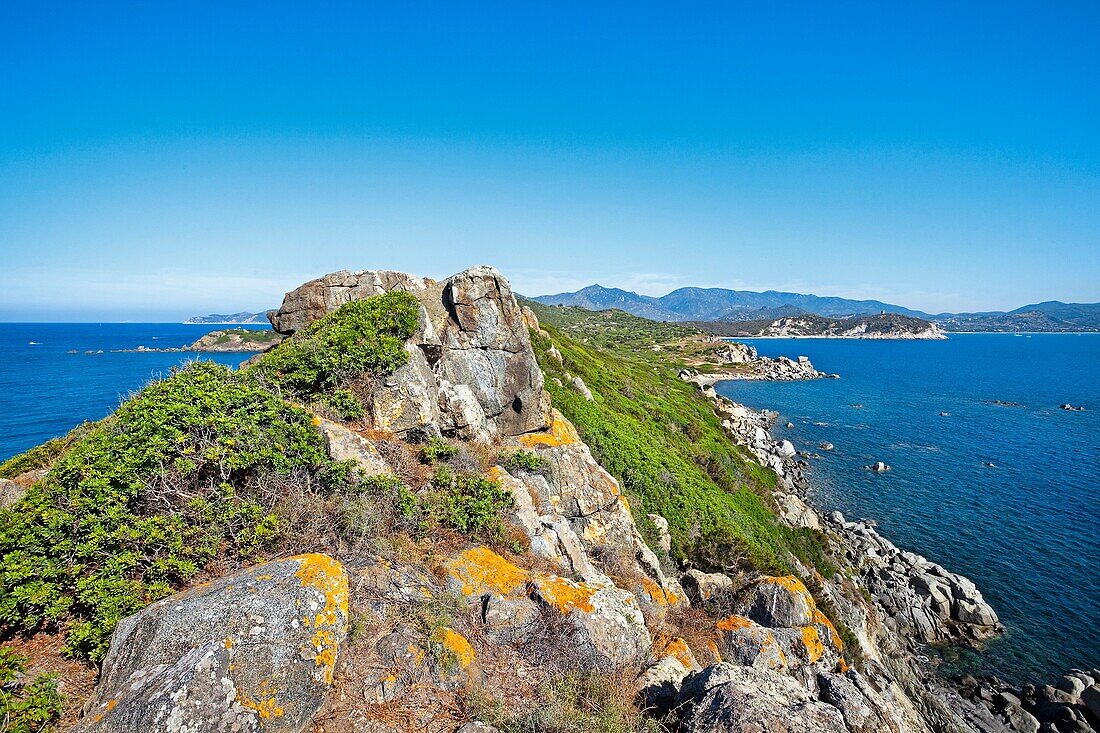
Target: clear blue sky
x,y
159,160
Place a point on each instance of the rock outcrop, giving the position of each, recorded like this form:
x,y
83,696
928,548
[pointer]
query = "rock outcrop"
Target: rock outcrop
x,y
471,371
253,650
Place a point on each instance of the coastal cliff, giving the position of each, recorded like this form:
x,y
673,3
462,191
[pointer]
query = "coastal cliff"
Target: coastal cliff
x,y
432,508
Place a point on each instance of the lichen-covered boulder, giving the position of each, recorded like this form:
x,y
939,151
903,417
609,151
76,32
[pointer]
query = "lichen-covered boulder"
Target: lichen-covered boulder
x,y
780,602
727,698
607,625
254,649
742,641
603,621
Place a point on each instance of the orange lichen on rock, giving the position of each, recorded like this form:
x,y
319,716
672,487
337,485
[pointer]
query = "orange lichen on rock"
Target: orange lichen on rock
x,y
730,623
791,583
565,595
479,570
834,637
657,594
561,432
455,644
815,648
679,649
265,704
327,576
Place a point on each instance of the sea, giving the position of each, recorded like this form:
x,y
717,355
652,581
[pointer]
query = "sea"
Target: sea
x,y
54,376
989,476
1004,487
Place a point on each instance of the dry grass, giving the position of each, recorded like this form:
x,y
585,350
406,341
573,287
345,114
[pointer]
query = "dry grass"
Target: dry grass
x,y
75,680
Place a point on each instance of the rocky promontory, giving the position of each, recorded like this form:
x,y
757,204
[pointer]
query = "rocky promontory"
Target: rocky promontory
x,y
424,510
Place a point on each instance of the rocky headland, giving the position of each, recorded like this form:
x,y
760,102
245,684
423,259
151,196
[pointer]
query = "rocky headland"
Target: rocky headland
x,y
736,361
424,510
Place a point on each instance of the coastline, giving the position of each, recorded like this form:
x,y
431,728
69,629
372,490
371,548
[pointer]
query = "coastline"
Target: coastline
x,y
913,608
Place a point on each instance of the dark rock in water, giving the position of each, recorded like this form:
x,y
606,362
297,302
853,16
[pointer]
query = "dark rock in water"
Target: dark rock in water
x,y
944,413
790,426
254,649
878,467
1072,408
826,446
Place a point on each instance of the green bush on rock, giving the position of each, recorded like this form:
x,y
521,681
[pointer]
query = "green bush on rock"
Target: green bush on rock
x,y
190,469
361,337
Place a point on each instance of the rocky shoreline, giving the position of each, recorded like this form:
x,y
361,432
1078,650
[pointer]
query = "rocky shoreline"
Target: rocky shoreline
x,y
913,604
741,362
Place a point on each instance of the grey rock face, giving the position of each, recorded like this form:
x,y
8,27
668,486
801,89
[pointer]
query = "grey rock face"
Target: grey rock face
x,y
780,603
345,445
471,370
254,649
10,492
729,699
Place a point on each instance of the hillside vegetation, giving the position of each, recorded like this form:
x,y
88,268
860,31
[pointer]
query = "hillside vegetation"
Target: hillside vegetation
x,y
661,439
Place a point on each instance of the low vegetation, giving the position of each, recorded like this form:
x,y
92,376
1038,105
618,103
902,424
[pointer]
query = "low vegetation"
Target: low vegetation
x,y
328,360
661,439
27,705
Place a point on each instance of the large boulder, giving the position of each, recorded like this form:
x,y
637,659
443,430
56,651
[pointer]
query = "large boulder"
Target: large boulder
x,y
254,649
471,370
726,698
780,602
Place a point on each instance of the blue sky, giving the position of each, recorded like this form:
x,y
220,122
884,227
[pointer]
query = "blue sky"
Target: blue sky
x,y
159,160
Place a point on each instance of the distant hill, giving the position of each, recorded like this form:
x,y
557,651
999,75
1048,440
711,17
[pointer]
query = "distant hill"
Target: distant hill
x,y
218,318
740,306
713,304
1051,315
878,326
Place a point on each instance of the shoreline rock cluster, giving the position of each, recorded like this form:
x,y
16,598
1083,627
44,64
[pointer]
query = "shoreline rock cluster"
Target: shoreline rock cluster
x,y
738,361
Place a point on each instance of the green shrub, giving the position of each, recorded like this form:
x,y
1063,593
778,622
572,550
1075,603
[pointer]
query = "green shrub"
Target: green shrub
x,y
467,502
180,474
361,337
522,460
26,707
437,449
344,403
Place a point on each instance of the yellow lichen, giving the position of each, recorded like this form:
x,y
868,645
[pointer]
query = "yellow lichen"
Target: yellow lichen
x,y
479,570
679,649
327,576
111,704
560,433
815,648
731,623
564,594
455,644
265,704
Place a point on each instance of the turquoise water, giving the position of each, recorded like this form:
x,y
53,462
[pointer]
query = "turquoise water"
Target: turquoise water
x,y
1026,529
45,391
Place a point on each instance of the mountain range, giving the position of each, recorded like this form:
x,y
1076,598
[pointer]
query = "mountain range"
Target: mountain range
x,y
721,304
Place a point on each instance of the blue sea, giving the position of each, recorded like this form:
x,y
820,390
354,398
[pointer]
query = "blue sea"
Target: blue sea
x,y
45,390
1008,495
1026,529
